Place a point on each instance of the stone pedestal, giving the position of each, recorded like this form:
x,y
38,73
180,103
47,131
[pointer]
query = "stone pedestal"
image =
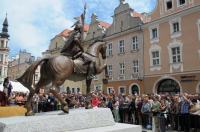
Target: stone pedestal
x,y
78,120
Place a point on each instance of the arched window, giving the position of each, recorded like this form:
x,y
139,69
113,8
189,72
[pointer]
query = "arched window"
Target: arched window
x,y
134,90
168,86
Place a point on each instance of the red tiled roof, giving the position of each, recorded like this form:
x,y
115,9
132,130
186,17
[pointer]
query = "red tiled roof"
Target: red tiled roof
x,y
141,16
65,33
137,14
104,24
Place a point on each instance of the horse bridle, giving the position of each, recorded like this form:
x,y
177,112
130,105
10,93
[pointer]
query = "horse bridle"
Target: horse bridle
x,y
91,54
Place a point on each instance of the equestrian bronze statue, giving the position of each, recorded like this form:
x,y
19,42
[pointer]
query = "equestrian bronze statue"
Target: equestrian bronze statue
x,y
73,64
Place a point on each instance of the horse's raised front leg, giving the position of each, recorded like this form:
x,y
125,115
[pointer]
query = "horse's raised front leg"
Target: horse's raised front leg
x,y
88,96
99,69
64,104
28,105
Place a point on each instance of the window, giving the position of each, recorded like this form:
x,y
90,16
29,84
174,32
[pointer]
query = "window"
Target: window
x,y
135,43
78,90
36,77
73,90
1,57
121,46
5,71
110,70
6,44
168,4
122,90
154,33
109,90
176,56
6,58
122,68
109,49
155,58
135,66
180,2
68,90
98,87
176,27
2,43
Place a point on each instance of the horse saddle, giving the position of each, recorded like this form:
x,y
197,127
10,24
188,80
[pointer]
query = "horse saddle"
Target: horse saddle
x,y
81,64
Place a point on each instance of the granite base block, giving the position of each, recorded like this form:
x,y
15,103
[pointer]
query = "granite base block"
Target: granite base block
x,y
78,120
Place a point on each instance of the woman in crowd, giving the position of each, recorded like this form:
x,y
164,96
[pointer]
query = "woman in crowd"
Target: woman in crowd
x,y
116,109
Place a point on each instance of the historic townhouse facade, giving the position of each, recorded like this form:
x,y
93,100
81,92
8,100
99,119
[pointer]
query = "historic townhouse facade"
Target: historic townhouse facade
x,y
172,47
124,39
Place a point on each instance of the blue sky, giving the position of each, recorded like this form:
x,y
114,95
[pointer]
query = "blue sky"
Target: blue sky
x,y
33,23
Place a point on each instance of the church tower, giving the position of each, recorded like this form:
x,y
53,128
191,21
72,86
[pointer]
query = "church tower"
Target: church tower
x,y
4,50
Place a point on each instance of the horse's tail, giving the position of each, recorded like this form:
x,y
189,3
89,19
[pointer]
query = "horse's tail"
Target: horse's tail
x,y
27,78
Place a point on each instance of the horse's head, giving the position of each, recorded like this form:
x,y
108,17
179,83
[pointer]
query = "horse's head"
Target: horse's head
x,y
103,51
96,48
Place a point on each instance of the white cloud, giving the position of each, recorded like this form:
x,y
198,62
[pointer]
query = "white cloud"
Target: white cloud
x,y
33,22
141,5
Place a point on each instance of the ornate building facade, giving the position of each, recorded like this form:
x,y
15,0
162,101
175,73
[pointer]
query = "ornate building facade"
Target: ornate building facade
x,y
124,40
4,51
172,47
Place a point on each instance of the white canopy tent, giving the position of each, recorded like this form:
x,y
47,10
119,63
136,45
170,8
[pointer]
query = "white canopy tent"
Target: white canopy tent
x,y
17,87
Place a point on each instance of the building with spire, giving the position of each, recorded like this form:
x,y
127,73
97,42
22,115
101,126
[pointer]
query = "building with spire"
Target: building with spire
x,y
4,50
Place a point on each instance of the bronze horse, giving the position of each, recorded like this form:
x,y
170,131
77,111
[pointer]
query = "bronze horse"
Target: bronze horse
x,y
55,70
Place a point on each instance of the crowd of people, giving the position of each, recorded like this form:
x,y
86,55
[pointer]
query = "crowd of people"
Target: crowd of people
x,y
153,111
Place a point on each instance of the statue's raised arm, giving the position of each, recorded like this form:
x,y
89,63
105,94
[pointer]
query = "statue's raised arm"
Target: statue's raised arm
x,y
73,47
